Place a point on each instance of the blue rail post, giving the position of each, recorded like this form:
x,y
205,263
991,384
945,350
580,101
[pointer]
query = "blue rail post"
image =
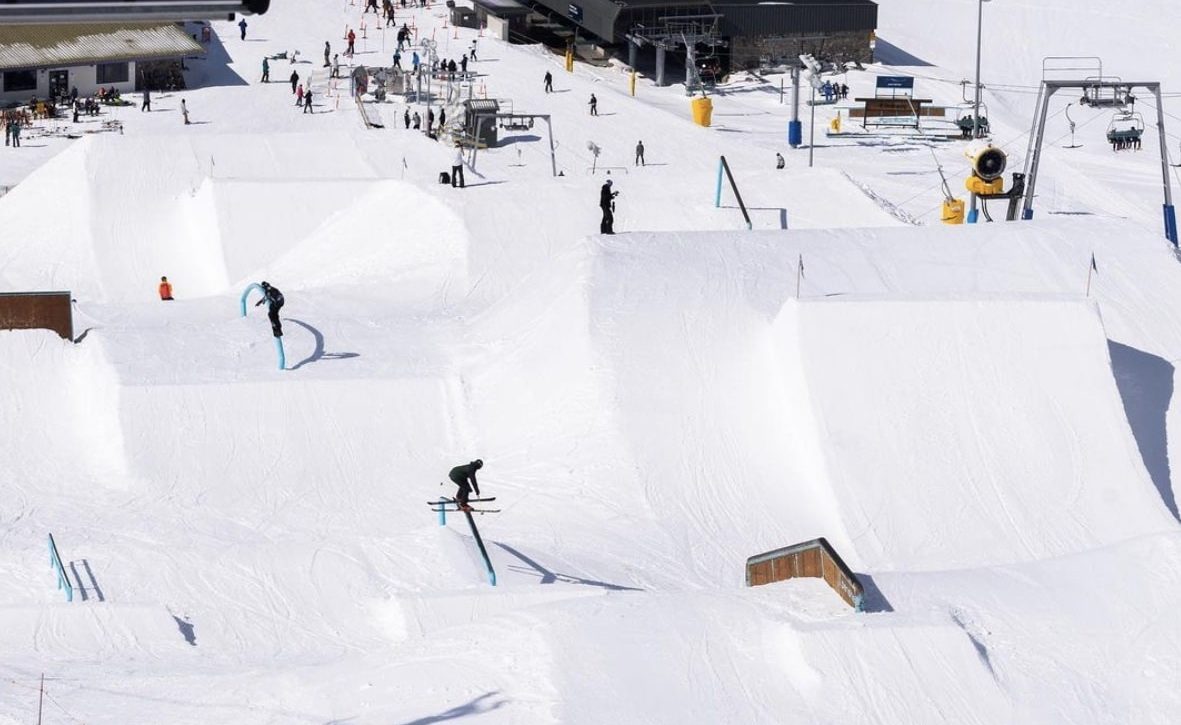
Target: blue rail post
x,y
442,511
63,581
1171,224
278,340
718,191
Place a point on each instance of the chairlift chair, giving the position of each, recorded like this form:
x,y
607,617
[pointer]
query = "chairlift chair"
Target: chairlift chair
x,y
963,120
1125,127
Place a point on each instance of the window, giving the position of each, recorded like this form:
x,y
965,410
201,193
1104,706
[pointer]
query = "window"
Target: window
x,y
112,73
20,80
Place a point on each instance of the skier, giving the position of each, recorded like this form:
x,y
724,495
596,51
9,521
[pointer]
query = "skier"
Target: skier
x,y
640,154
266,71
461,476
184,111
294,80
594,105
607,204
16,134
779,162
442,119
463,63
274,299
398,59
165,289
147,104
242,27
457,171
415,61
336,66
549,82
430,118
417,121
299,96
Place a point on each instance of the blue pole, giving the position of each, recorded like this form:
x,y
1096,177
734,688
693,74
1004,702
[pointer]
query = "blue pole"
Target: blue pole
x,y
442,511
795,133
718,193
1027,214
282,356
1171,224
55,560
246,293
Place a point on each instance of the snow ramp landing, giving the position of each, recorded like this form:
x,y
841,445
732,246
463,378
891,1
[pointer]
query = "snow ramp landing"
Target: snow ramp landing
x,y
966,433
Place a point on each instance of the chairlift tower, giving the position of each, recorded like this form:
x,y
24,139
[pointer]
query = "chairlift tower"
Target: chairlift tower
x,y
673,32
1109,92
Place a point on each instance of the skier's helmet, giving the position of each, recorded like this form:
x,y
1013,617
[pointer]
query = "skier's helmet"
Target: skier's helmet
x,y
478,463
608,182
264,285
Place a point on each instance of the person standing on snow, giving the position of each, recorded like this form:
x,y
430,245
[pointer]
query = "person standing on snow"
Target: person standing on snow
x,y
184,111
465,478
307,101
607,204
299,96
406,118
594,105
165,289
417,121
398,59
549,82
242,27
327,52
415,61
266,71
294,80
352,39
147,104
274,299
640,154
457,168
336,66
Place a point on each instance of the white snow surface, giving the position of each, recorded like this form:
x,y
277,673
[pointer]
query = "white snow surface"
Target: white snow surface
x,y
980,428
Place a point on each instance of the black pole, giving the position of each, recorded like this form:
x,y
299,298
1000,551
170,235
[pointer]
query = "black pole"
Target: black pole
x,y
480,543
738,196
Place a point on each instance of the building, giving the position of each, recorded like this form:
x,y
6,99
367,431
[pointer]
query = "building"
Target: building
x,y
45,60
746,33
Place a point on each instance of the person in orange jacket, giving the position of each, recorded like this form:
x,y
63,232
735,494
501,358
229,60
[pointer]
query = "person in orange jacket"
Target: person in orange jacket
x,y
165,289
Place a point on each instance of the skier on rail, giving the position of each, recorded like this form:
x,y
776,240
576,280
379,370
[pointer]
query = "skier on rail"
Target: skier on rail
x,y
460,476
274,299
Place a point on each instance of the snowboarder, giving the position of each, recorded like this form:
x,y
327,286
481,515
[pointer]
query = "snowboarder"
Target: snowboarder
x,y
165,289
184,111
640,154
594,105
607,204
549,82
465,478
274,299
294,80
457,171
779,162
266,71
242,27
147,104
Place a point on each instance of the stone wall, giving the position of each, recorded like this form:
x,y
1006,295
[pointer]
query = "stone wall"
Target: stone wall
x,y
746,51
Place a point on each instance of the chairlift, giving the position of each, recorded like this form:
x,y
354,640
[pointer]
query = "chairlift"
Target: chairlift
x,y
1125,129
1070,120
963,119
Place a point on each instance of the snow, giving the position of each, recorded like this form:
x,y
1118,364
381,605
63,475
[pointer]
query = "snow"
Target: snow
x,y
982,433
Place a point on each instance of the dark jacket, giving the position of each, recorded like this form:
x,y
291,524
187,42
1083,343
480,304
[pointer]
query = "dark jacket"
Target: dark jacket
x,y
273,297
464,474
606,196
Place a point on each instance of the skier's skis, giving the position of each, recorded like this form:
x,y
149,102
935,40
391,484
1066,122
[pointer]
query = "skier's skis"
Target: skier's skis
x,y
452,501
470,510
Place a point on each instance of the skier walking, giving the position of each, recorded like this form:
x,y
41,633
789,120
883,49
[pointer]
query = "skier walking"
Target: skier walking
x,y
463,64
16,134
336,66
274,299
406,118
266,71
594,105
417,121
398,59
465,478
242,27
294,80
307,101
549,82
299,96
184,111
640,154
607,204
352,39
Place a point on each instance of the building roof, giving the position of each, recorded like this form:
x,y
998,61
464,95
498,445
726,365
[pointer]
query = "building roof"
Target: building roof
x,y
45,46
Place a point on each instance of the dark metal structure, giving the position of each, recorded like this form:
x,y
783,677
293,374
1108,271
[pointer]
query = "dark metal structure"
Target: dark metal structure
x,y
115,11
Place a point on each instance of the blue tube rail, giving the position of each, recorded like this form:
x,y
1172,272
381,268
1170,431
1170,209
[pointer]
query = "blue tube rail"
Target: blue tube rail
x,y
55,560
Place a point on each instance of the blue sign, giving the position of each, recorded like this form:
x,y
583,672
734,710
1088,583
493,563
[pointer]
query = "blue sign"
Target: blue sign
x,y
896,82
575,13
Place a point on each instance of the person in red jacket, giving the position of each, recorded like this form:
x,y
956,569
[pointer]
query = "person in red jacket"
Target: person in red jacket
x,y
352,39
165,289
